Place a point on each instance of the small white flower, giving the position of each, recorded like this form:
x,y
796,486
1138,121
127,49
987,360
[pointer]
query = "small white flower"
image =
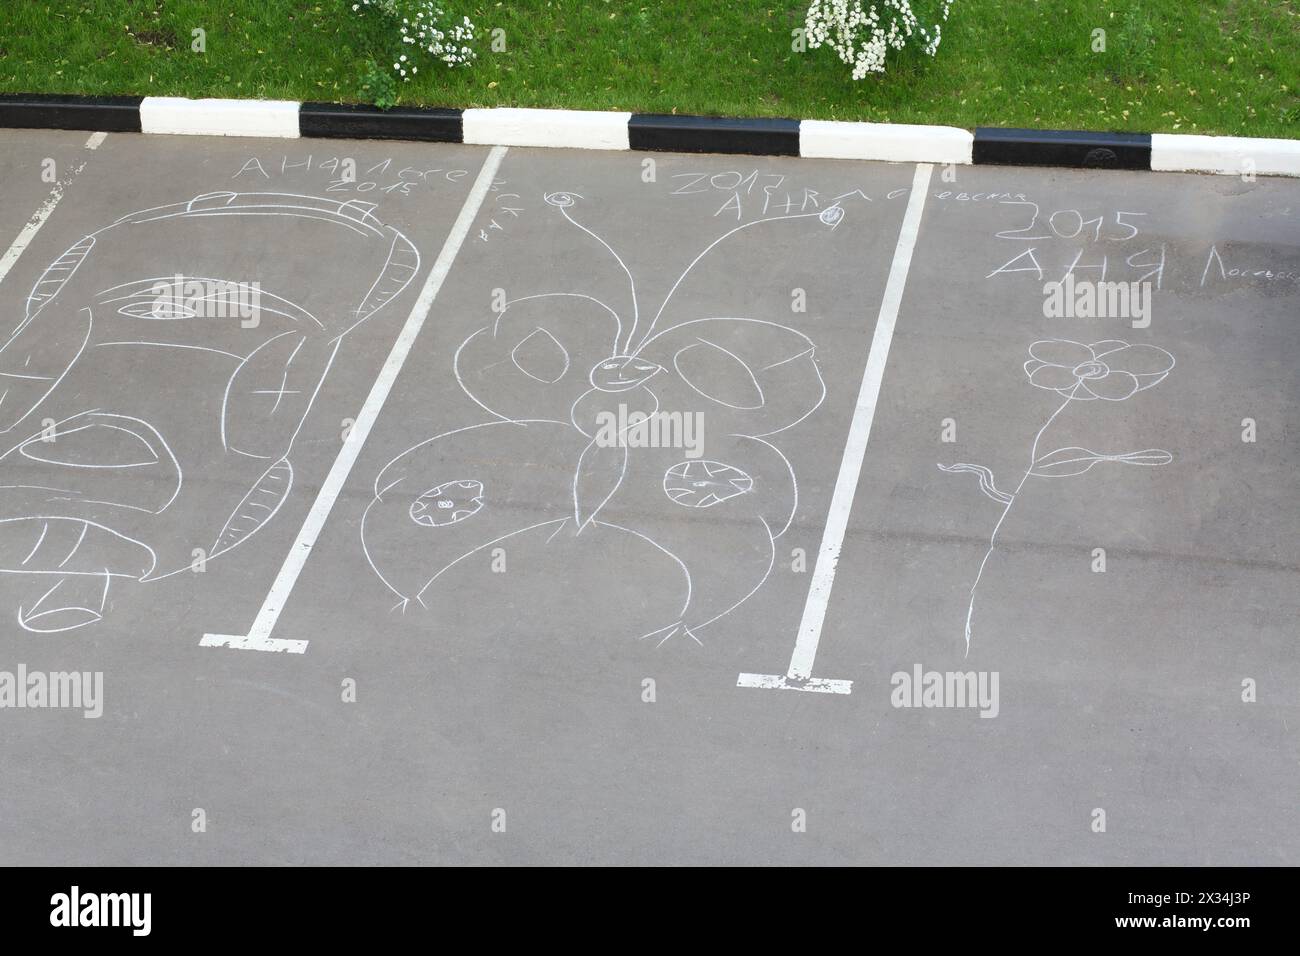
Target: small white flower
x,y
422,28
862,36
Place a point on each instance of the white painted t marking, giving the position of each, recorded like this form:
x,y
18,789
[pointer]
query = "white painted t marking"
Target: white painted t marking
x,y
799,676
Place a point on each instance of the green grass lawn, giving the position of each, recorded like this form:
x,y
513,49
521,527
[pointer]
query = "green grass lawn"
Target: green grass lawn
x,y
1204,66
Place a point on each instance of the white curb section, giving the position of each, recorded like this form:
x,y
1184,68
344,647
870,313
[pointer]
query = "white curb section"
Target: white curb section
x,y
177,115
825,139
576,129
1229,155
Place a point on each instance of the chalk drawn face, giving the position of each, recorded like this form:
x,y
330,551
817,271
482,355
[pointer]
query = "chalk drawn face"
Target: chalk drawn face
x,y
622,372
703,484
450,502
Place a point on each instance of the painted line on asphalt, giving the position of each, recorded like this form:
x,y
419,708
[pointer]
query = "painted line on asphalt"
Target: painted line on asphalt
x,y
259,637
799,676
43,212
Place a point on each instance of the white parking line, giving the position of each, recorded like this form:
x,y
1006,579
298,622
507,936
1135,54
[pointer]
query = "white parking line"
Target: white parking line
x,y
34,224
799,676
259,637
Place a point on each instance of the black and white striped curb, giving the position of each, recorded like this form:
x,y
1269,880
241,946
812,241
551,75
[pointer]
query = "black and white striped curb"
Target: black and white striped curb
x,y
577,129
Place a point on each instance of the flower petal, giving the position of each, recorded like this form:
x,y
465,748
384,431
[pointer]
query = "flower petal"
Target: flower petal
x,y
1140,360
1106,346
1061,352
1114,387
1055,377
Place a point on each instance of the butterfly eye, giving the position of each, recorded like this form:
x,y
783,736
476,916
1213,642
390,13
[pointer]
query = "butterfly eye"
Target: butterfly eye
x,y
610,365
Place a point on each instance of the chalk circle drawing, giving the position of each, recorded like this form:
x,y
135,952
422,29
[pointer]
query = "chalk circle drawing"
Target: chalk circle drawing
x,y
546,370
124,485
450,502
1108,371
703,484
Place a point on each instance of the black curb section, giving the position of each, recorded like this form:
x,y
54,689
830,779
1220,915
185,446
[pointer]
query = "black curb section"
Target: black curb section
x,y
350,121
1047,147
108,114
713,134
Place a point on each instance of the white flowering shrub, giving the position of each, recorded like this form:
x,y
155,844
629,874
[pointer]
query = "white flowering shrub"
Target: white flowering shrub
x,y
862,32
424,28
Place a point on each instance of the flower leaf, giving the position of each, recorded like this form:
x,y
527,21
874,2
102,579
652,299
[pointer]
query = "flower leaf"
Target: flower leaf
x,y
1065,462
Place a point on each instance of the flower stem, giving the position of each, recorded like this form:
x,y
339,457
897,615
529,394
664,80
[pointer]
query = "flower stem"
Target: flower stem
x,y
1033,457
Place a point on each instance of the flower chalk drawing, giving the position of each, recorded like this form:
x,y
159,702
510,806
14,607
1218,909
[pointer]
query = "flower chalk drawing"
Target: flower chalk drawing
x,y
1110,371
